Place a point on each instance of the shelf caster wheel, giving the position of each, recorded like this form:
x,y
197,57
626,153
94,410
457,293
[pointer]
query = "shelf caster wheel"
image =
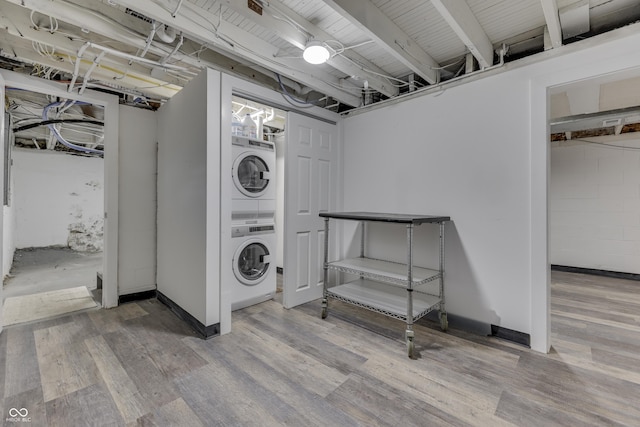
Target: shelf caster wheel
x,y
444,323
324,312
409,334
410,347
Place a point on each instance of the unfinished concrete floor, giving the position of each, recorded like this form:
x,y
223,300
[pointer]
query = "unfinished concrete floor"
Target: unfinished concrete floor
x,y
48,269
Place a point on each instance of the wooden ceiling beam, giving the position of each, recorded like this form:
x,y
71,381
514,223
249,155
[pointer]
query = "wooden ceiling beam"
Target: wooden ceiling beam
x,y
461,19
348,62
552,17
379,27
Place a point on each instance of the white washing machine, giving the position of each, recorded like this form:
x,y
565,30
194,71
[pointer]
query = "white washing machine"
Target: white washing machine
x,y
254,264
254,184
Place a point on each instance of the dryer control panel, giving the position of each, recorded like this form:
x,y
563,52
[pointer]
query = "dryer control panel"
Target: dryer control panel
x,y
252,143
252,230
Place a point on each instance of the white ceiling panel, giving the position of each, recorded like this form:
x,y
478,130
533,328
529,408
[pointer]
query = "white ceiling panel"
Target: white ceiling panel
x,y
503,19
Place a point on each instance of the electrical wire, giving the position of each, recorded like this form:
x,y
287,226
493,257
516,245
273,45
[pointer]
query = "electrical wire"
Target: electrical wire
x,y
357,45
604,144
290,98
59,137
54,121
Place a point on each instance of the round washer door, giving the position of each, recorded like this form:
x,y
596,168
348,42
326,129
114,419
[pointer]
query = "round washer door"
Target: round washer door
x,y
251,174
252,262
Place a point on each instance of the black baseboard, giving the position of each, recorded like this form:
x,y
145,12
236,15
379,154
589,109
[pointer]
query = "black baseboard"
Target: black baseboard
x,y
136,296
279,270
511,335
205,332
595,272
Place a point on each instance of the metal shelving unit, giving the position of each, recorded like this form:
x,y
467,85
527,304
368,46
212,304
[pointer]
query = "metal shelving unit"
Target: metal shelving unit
x,y
393,289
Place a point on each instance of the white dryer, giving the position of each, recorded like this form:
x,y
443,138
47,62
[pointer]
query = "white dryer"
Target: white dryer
x,y
254,264
254,184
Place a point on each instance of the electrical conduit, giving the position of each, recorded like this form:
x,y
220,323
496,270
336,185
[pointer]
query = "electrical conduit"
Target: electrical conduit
x,y
54,131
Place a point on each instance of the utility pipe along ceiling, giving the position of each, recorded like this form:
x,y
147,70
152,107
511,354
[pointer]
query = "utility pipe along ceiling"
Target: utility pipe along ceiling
x,y
147,50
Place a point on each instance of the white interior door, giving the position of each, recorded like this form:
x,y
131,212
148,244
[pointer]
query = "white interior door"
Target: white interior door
x,y
2,130
311,161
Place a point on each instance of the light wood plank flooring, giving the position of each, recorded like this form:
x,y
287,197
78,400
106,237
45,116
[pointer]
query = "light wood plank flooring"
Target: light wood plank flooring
x,y
139,365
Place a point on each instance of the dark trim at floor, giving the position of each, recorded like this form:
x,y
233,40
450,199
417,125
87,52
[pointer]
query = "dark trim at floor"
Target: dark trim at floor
x,y
595,272
205,332
136,296
511,335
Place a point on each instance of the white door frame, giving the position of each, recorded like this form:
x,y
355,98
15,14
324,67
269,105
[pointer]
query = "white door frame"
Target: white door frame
x,y
587,67
111,141
235,86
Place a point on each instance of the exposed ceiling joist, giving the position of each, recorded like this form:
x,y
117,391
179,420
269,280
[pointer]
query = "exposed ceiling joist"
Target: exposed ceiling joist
x,y
551,16
198,24
461,19
104,72
347,62
98,24
108,22
376,25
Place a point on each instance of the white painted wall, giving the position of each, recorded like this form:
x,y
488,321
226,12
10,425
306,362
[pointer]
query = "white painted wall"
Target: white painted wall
x,y
188,256
58,200
9,244
137,194
279,140
8,226
478,152
594,204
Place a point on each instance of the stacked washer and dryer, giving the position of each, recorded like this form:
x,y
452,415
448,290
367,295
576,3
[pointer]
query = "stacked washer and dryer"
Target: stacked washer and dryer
x,y
253,233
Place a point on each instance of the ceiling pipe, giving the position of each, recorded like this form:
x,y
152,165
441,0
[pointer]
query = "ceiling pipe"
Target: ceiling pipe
x,y
134,58
175,49
100,24
152,33
76,69
175,12
166,33
93,66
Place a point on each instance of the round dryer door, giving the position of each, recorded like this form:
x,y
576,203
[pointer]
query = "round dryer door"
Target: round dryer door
x,y
251,262
251,175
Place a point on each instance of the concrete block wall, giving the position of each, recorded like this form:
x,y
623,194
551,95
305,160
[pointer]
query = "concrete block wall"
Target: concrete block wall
x,y
594,204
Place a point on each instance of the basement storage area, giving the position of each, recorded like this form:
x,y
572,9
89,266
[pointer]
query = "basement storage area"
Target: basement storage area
x,y
53,206
294,196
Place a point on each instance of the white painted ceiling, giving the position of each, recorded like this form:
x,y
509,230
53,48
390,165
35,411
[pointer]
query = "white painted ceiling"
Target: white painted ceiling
x,y
382,48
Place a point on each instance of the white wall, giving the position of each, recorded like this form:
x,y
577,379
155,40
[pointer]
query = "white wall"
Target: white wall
x,y
58,200
279,217
187,193
9,244
478,152
8,225
594,204
137,195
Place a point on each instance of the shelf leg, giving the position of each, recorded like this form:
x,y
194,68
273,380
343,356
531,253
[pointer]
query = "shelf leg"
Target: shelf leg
x,y
444,324
409,334
325,273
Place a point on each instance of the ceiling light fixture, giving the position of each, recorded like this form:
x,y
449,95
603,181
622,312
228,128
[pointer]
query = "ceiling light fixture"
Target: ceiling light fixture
x,y
316,52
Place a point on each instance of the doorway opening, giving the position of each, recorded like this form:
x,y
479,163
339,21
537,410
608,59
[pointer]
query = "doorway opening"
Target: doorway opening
x,y
594,211
257,208
54,206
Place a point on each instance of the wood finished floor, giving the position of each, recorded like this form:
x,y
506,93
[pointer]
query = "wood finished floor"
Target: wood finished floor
x,y
138,365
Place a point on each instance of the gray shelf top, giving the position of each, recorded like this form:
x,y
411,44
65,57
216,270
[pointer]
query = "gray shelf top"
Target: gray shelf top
x,y
386,217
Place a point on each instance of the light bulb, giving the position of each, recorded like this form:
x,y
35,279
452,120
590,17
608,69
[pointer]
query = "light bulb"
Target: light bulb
x,y
316,52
